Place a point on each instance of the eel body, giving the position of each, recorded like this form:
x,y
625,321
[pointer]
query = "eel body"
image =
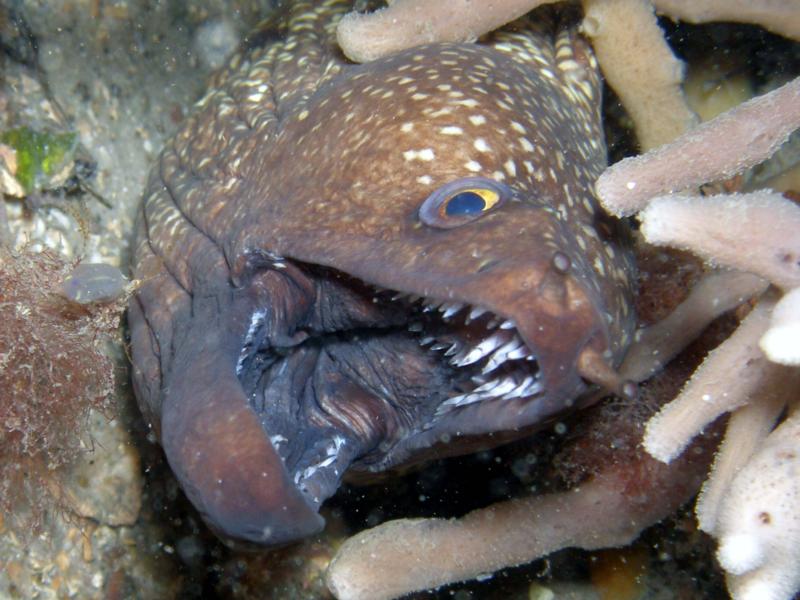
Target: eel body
x,y
348,267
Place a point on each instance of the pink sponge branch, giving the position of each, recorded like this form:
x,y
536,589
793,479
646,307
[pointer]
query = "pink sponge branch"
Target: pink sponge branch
x,y
756,232
717,149
747,429
729,377
716,293
611,509
408,23
639,65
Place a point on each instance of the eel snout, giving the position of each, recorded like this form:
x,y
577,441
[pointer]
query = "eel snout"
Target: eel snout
x,y
217,448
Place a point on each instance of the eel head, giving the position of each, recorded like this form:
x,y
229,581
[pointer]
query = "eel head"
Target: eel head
x,y
408,278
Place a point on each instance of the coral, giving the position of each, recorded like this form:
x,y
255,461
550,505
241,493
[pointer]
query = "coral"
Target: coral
x,y
758,233
628,42
639,65
706,395
759,525
742,137
714,294
53,372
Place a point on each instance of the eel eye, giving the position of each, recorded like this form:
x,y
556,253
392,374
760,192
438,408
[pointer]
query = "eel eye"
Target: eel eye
x,y
462,201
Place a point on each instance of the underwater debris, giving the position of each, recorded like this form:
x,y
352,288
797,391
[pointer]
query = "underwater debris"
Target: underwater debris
x,y
45,160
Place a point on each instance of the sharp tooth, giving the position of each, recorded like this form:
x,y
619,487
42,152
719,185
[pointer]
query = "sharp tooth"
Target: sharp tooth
x,y
450,308
508,325
439,346
486,387
505,386
475,313
520,389
398,296
485,347
416,326
521,352
430,305
427,340
456,360
453,349
456,401
493,323
499,357
534,388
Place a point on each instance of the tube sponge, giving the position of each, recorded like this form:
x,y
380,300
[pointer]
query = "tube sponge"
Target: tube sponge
x,y
759,522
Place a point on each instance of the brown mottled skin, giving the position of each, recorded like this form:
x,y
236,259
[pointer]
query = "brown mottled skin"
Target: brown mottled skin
x,y
268,354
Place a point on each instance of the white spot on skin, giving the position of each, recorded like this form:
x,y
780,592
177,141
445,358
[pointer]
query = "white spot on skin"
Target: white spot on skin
x,y
477,119
510,167
599,266
426,154
481,145
473,166
451,130
406,127
424,179
526,145
517,127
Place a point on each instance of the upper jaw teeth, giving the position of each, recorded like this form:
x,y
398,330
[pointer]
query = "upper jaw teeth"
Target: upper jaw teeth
x,y
449,309
475,313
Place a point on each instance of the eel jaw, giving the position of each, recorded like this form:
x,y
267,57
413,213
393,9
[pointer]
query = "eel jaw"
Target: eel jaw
x,y
216,447
231,464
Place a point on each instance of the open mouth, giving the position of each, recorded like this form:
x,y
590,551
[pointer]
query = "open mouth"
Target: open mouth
x,y
485,353
369,368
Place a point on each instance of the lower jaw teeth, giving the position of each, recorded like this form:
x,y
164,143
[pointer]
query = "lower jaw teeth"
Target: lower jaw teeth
x,y
502,344
496,389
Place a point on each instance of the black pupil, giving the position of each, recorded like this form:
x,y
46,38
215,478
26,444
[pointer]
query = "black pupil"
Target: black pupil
x,y
464,203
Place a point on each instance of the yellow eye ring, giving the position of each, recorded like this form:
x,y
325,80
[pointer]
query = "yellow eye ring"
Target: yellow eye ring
x,y
462,201
470,201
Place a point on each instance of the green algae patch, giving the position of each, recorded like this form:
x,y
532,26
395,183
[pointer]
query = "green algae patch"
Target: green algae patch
x,y
44,159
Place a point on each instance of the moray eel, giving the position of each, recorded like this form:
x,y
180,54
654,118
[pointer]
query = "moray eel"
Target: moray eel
x,y
346,268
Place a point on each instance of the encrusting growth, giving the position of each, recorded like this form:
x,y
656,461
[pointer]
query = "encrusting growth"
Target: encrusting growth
x,y
53,372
